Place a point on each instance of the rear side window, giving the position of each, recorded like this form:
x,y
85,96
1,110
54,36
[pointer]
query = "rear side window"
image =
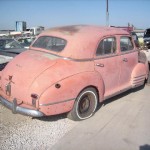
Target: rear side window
x,y
50,43
106,46
126,44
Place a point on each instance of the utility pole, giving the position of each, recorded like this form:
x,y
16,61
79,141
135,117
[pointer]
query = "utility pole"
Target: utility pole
x,y
107,14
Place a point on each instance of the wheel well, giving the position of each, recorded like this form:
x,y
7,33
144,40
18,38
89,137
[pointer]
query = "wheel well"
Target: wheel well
x,y
90,86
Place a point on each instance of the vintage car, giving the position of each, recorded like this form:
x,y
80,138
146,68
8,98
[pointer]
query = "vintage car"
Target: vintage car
x,y
147,38
70,70
147,54
26,41
10,47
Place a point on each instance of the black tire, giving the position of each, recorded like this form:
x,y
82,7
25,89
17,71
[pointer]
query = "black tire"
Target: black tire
x,y
85,105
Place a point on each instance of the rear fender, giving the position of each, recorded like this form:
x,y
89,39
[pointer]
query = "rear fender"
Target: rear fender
x,y
139,74
60,97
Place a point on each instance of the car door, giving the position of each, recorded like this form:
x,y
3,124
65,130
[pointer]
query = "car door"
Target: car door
x,y
128,60
107,64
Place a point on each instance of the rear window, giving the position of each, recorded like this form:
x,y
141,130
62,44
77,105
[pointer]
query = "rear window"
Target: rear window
x,y
50,43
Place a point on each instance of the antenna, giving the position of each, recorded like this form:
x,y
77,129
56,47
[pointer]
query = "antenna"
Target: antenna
x,y
107,14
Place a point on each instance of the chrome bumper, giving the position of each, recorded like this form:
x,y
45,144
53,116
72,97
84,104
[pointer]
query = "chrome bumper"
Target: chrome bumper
x,y
21,110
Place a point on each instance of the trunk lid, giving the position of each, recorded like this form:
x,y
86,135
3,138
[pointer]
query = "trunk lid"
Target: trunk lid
x,y
23,70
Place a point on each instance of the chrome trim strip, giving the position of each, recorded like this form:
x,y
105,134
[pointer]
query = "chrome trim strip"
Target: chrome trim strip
x,y
88,59
66,58
138,79
45,52
144,75
137,83
117,93
105,56
128,51
80,60
57,102
20,110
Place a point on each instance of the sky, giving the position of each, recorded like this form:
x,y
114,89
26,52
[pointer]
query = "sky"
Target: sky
x,y
51,13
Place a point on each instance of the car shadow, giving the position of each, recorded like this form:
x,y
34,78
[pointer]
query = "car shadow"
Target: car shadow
x,y
52,118
118,97
144,147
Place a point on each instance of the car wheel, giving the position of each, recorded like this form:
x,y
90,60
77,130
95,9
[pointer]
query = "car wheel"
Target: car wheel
x,y
85,105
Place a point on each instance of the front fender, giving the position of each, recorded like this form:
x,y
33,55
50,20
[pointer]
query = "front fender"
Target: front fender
x,y
56,100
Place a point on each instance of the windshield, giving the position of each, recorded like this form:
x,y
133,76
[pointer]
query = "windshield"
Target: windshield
x,y
9,44
26,41
50,43
140,34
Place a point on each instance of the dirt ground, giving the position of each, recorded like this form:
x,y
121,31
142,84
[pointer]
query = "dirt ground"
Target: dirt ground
x,y
22,132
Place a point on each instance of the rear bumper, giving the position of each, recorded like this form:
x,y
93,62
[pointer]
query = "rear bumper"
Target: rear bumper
x,y
18,109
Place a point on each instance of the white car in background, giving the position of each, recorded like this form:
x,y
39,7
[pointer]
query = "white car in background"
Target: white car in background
x,y
4,60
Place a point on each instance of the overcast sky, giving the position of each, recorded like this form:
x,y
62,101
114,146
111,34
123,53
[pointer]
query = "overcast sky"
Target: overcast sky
x,y
50,13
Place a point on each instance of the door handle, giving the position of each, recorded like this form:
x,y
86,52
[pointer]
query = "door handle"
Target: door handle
x,y
100,65
125,59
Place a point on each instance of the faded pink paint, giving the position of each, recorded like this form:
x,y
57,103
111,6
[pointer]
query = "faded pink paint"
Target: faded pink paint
x,y
89,36
36,71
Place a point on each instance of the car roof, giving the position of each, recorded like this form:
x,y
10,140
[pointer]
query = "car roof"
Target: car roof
x,y
82,30
81,39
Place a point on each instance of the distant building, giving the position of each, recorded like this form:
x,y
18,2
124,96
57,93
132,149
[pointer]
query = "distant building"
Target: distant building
x,y
35,30
5,32
21,26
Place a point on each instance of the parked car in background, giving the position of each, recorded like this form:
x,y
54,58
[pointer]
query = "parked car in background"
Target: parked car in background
x,y
147,53
140,36
4,60
147,38
70,70
10,47
135,38
26,41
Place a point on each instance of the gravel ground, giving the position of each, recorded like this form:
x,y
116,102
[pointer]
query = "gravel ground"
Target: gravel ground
x,y
20,132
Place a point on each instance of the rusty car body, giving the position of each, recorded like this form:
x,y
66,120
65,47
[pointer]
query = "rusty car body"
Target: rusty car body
x,y
71,69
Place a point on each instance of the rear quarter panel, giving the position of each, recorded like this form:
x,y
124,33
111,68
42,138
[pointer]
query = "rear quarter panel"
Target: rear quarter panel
x,y
69,90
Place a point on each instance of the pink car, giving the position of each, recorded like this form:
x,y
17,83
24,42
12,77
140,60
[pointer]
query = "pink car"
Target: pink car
x,y
71,69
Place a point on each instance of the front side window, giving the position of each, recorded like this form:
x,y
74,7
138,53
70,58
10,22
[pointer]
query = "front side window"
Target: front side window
x,y
126,44
106,46
50,43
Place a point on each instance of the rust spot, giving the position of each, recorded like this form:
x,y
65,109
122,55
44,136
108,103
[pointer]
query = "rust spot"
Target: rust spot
x,y
67,29
10,78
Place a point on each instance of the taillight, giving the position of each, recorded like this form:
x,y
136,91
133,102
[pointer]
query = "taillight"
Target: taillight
x,y
34,99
